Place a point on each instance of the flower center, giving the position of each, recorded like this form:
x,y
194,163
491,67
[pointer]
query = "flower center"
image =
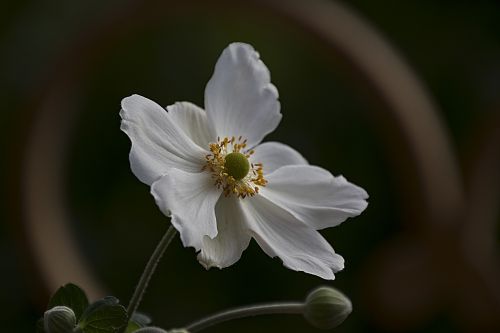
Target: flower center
x,y
231,170
236,165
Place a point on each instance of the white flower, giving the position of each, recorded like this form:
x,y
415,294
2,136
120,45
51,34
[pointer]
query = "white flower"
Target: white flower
x,y
221,186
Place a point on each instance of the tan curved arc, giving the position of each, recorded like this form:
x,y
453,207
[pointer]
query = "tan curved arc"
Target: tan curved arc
x,y
388,73
54,247
403,92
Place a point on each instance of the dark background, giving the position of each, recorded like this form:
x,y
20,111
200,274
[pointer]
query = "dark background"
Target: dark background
x,y
329,115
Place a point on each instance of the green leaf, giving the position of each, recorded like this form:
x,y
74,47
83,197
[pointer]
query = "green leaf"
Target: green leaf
x,y
72,296
104,316
108,300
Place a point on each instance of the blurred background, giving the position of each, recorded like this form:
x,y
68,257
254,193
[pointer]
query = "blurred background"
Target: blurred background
x,y
400,97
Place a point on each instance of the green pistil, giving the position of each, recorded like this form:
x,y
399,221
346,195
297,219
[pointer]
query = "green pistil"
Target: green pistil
x,y
236,165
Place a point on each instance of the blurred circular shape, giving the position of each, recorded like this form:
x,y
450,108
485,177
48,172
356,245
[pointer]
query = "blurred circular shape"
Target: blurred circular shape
x,y
429,176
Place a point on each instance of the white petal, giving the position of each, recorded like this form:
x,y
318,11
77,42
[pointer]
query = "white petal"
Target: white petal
x,y
232,237
314,196
193,121
239,98
274,155
189,198
300,247
157,142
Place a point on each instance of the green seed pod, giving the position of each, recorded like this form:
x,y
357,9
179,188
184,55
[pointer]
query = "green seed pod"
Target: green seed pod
x,y
237,165
326,308
59,319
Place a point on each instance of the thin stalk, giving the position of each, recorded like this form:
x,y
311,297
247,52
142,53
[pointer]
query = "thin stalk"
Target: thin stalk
x,y
149,270
246,311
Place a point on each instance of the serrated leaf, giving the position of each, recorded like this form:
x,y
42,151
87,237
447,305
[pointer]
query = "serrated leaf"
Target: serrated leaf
x,y
104,316
107,319
72,296
108,300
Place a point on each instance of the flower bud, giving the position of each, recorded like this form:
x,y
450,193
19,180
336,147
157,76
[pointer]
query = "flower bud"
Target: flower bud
x,y
326,308
59,319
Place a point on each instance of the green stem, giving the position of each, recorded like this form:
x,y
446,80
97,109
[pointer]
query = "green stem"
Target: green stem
x,y
247,311
149,270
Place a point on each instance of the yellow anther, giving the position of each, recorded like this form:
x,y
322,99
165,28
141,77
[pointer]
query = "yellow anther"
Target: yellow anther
x,y
230,176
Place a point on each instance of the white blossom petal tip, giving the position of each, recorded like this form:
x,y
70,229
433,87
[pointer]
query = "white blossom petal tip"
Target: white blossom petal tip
x,y
314,196
189,199
158,143
221,187
300,247
232,238
240,98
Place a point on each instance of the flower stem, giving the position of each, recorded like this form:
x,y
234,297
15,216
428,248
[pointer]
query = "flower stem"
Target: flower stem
x,y
149,270
246,311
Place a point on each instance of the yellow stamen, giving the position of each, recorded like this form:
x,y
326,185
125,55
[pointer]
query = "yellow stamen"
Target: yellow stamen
x,y
227,161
